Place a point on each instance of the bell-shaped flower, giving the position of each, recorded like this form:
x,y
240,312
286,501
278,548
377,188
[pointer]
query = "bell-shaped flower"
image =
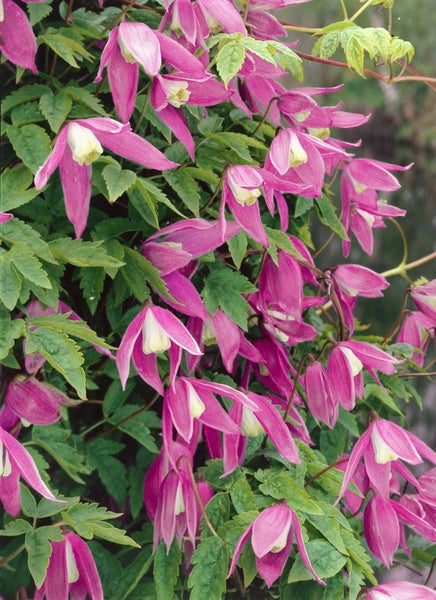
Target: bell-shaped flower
x,y
416,330
17,40
272,534
78,145
380,446
152,331
320,397
71,572
16,462
424,296
33,401
400,590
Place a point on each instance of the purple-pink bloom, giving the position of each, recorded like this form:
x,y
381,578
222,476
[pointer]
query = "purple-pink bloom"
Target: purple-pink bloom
x,y
424,296
416,330
71,572
320,397
272,534
16,462
152,331
78,145
400,590
17,40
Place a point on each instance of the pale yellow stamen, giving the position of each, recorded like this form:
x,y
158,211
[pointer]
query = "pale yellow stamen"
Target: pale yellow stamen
x,y
83,144
250,425
154,338
179,504
355,364
196,405
72,570
383,454
178,93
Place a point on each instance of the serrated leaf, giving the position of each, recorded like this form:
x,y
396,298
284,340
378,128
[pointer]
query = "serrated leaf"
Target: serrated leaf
x,y
66,48
138,265
92,283
132,575
24,94
238,247
166,570
326,562
38,11
330,529
372,389
83,254
242,496
327,215
16,527
354,54
258,47
382,41
238,142
88,511
282,241
62,353
144,203
16,230
229,60
222,289
13,187
39,550
282,486
10,282
31,144
207,579
159,196
338,26
26,113
111,471
327,45
117,180
64,324
203,175
185,187
108,532
399,48
84,97
132,423
55,108
217,510
28,265
10,330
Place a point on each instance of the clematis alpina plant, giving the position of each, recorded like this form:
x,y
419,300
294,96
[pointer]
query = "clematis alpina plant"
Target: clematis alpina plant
x,y
188,377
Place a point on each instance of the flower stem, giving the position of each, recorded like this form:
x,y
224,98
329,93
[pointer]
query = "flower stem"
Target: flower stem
x,y
13,554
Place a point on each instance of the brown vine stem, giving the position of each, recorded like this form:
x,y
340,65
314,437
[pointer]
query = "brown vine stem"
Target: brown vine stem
x,y
13,554
326,470
294,388
412,375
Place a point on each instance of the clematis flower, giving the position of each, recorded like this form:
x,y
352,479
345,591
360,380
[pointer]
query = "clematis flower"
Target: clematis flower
x,y
400,590
4,217
424,296
416,330
78,145
380,446
320,397
16,462
17,40
152,331
71,571
272,533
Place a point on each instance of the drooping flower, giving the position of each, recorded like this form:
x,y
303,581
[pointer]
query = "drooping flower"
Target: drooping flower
x,y
17,40
16,462
78,145
152,331
71,572
320,397
400,590
272,534
416,330
424,296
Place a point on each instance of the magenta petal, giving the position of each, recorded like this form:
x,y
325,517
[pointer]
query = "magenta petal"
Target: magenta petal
x,y
56,581
10,492
176,398
381,528
179,57
126,347
54,158
248,217
379,475
398,440
76,184
353,461
302,548
177,123
85,566
35,401
188,299
123,83
175,329
271,565
228,338
272,523
238,549
17,40
143,45
146,367
401,590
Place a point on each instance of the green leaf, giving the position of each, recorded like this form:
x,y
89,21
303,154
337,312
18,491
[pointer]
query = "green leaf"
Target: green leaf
x,y
354,54
108,532
16,230
282,241
28,265
83,254
134,425
66,48
31,144
372,389
13,187
326,562
39,550
159,196
84,97
260,48
185,187
117,180
217,510
399,48
10,283
61,352
327,45
24,94
137,266
144,203
166,570
208,577
281,486
382,41
222,289
38,11
230,59
55,109
25,114
330,529
132,575
92,284
10,330
288,59
242,496
111,471
326,212
238,142
64,324
203,175
238,247
16,527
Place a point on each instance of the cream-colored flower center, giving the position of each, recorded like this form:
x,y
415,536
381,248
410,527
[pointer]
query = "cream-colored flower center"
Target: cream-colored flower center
x,y
243,196
179,504
127,55
196,405
178,93
72,570
154,338
320,132
297,154
383,454
83,144
2,12
250,425
280,542
5,463
355,364
208,336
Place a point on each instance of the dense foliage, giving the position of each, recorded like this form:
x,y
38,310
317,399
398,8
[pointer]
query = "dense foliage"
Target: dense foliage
x,y
190,406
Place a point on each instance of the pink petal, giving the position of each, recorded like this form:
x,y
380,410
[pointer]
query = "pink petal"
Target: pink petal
x,y
17,40
54,158
302,548
86,566
175,329
270,525
126,346
76,184
228,338
381,528
143,44
146,367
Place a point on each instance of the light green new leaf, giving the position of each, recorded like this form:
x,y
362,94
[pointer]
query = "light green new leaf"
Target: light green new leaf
x,y
10,330
117,181
39,550
166,570
10,282
16,527
83,254
208,577
260,48
399,48
108,532
75,328
55,109
13,187
61,352
326,562
31,144
326,45
230,59
28,265
354,54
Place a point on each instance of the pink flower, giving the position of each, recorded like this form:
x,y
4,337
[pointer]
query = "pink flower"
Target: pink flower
x,y
320,397
17,40
416,330
400,590
4,217
78,145
424,296
272,533
71,572
16,462
153,330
